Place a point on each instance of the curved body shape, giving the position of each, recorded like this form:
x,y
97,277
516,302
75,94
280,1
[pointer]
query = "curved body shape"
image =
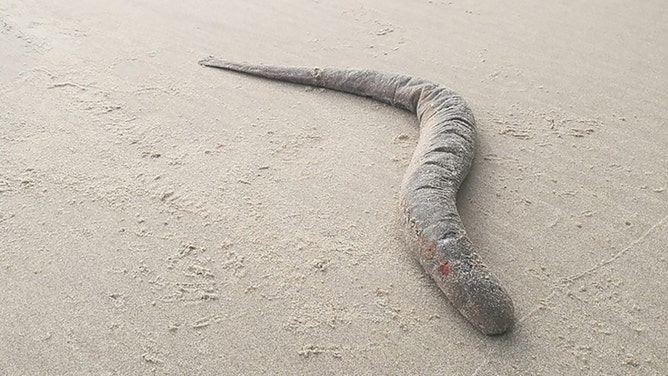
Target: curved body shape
x,y
440,163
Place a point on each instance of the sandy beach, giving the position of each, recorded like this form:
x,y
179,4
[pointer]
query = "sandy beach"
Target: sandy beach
x,y
158,217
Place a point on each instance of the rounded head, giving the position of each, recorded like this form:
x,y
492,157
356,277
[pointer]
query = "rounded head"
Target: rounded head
x,y
468,284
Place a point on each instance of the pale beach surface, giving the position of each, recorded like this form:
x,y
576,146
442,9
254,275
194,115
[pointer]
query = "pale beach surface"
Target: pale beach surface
x,y
158,217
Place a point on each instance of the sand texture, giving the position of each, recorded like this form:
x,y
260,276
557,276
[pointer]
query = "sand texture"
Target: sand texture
x,y
157,217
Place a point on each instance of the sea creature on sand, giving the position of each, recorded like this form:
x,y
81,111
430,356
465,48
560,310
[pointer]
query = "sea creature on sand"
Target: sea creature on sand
x,y
440,162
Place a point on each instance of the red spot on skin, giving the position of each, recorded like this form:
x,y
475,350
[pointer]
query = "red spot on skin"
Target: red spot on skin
x,y
445,268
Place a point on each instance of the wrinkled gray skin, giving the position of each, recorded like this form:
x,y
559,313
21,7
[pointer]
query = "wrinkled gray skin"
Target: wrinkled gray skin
x,y
440,163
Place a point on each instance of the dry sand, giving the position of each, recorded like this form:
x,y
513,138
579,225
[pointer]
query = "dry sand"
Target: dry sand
x,y
159,217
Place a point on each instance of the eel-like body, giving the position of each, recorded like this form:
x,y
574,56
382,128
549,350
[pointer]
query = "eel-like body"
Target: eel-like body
x,y
440,163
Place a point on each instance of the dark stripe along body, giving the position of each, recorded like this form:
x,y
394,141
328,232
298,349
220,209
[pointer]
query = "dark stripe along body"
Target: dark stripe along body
x,y
440,163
